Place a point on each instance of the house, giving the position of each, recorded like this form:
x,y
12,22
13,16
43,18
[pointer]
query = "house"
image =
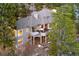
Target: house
x,y
36,25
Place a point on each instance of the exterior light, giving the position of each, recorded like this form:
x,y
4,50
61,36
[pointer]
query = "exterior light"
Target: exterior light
x,y
40,46
54,10
49,42
19,17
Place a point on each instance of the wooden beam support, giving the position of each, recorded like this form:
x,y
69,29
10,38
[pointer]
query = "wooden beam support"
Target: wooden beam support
x,y
33,40
45,39
40,39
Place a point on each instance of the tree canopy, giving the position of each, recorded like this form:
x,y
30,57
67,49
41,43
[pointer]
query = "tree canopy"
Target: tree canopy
x,y
63,34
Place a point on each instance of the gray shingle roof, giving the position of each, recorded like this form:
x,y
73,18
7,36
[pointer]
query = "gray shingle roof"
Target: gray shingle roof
x,y
28,21
44,17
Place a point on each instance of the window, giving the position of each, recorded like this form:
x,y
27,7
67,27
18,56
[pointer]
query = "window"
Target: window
x,y
36,16
20,41
28,30
33,29
19,32
41,26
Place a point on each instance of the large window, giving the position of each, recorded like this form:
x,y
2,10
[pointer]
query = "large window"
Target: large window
x,y
36,16
20,33
20,41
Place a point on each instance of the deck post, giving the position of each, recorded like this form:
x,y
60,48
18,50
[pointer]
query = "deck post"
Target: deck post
x,y
40,39
48,26
43,26
33,40
45,39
